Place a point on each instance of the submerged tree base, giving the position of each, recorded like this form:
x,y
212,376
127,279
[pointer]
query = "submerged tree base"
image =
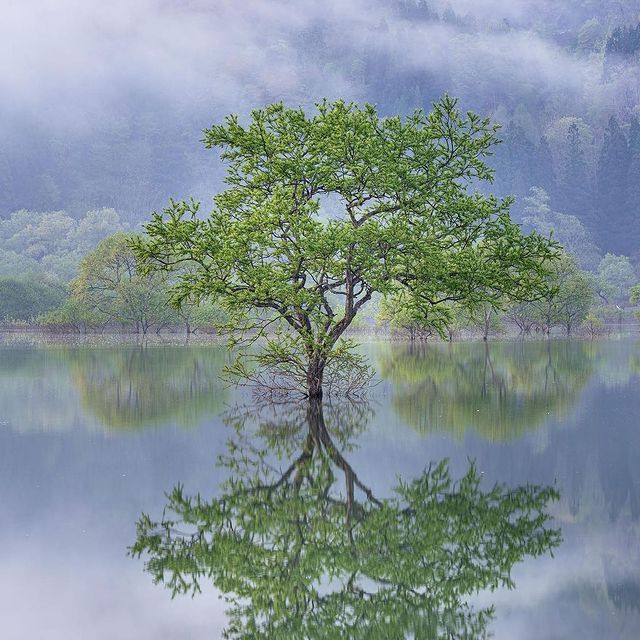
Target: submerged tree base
x,y
282,371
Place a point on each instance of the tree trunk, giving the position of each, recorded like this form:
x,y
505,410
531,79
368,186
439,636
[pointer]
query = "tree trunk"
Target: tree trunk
x,y
315,374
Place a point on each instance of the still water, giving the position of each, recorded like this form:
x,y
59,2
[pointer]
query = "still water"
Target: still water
x,y
321,519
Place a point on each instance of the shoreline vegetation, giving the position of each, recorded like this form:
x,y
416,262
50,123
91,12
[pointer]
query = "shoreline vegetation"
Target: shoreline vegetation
x,y
16,332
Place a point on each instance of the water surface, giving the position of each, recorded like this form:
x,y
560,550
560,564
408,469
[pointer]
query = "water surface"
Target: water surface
x,y
93,436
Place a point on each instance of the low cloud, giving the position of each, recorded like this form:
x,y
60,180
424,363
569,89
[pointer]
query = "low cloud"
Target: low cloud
x,y
66,59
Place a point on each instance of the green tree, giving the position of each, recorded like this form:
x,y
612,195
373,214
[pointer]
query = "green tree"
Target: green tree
x,y
575,295
594,325
75,313
487,319
634,298
95,226
18,264
617,276
523,315
566,229
613,169
568,298
27,297
398,314
109,285
201,316
575,195
343,204
303,548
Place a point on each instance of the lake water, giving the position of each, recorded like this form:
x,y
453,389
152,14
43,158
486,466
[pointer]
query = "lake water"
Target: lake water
x,y
91,437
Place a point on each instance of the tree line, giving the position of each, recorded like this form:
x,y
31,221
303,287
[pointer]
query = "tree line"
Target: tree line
x,y
574,302
415,250
108,293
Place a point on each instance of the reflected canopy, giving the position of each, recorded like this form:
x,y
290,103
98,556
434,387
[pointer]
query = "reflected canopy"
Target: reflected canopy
x,y
498,391
301,547
122,387
140,386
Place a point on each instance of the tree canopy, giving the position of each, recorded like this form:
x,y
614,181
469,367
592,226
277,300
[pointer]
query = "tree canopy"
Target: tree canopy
x,y
51,243
616,277
498,391
322,211
109,287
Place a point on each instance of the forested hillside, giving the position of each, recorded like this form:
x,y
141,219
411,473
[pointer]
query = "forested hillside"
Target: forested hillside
x,y
561,78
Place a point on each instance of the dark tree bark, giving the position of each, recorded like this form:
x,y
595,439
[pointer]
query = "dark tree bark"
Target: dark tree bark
x,y
315,376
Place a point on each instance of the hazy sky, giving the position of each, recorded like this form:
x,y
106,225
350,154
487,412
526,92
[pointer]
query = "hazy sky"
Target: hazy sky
x,y
86,82
66,60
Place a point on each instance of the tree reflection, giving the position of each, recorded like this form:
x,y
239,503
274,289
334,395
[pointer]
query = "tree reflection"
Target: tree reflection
x,y
140,386
499,391
302,547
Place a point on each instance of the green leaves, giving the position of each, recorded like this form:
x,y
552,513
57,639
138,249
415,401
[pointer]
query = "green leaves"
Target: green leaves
x,y
110,289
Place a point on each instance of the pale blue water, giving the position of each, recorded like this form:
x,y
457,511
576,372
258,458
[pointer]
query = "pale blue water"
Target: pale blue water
x,y
91,437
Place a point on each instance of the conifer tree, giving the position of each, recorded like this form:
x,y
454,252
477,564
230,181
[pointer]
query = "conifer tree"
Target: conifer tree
x,y
520,153
632,195
613,169
542,171
574,189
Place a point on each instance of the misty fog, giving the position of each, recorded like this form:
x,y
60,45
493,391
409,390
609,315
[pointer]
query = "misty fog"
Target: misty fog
x,y
104,103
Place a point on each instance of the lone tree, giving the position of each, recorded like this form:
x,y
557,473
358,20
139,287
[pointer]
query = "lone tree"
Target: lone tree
x,y
322,211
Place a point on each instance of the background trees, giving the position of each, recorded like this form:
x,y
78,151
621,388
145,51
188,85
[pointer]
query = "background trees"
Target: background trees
x,y
568,296
106,290
555,105
24,298
397,313
566,229
616,277
613,168
52,243
109,287
574,188
569,125
565,123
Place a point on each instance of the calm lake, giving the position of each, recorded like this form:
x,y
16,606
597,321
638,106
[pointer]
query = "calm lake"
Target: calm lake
x,y
92,437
